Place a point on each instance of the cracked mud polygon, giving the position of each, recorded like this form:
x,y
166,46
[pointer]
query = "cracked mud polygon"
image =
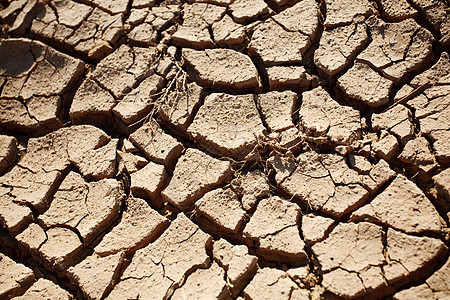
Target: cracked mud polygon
x,y
224,149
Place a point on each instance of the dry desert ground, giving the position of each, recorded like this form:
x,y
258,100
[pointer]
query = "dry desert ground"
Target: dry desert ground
x,y
224,149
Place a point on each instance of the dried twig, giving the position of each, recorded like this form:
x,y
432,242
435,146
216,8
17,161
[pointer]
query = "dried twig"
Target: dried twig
x,y
410,95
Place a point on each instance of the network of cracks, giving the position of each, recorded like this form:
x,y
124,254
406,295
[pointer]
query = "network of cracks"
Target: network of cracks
x,y
230,149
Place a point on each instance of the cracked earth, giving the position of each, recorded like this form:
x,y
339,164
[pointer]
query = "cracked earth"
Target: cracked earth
x,y
229,149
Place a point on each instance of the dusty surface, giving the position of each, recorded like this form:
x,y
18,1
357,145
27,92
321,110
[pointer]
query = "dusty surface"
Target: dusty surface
x,y
224,149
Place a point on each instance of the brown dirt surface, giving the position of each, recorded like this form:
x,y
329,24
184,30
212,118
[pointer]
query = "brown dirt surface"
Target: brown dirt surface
x,y
225,149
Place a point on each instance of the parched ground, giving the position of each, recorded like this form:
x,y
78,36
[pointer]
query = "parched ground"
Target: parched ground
x,y
230,149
